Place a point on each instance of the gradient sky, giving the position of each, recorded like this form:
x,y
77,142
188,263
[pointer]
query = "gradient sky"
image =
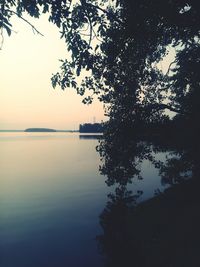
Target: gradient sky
x,y
27,99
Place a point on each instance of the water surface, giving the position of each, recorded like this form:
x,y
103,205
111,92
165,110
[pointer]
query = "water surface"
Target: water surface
x,y
51,196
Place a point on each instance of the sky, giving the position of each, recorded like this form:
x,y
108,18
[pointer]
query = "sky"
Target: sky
x,y
27,99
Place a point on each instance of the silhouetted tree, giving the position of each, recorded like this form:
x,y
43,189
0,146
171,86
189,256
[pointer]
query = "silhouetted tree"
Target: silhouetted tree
x,y
115,48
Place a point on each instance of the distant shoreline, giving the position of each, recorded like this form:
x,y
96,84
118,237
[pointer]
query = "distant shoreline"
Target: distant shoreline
x,y
22,131
56,131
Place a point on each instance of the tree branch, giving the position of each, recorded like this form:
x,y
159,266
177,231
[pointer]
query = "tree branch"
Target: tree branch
x,y
105,12
32,26
90,25
169,68
158,106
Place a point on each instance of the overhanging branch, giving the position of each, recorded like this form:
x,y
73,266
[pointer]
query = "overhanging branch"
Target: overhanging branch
x,y
32,26
158,107
103,10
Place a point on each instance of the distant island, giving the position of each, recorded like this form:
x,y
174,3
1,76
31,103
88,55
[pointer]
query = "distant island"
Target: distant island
x,y
39,130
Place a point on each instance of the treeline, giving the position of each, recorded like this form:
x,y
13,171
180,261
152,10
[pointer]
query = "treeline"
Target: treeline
x,y
91,128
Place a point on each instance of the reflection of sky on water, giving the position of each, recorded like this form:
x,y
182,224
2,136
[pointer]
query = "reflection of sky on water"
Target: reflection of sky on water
x,y
51,197
151,182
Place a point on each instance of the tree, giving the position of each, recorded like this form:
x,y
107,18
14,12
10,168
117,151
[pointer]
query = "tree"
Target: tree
x,y
115,48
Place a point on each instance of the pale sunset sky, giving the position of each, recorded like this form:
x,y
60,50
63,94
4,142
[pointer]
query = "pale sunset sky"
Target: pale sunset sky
x,y
27,99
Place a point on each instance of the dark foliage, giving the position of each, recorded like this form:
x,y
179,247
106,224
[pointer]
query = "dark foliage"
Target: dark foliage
x,y
163,231
115,48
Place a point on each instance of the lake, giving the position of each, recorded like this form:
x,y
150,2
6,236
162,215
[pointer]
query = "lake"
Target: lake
x,y
51,196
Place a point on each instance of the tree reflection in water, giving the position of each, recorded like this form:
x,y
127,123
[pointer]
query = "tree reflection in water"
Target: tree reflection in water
x,y
163,231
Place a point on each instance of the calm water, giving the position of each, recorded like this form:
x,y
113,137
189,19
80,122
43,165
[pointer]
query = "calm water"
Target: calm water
x,y
51,196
